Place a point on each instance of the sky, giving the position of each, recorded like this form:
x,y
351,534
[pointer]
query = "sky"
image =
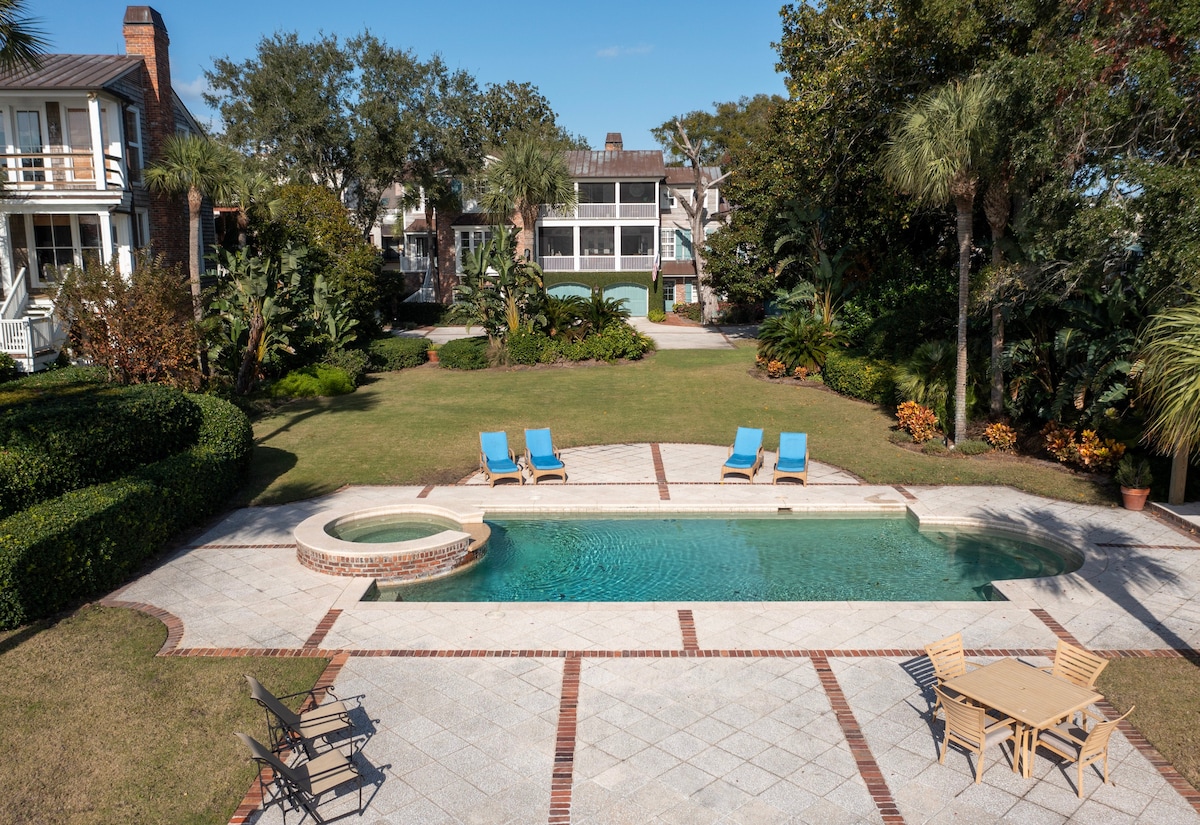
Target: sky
x,y
617,66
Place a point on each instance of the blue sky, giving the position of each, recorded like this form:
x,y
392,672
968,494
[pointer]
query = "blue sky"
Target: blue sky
x,y
617,66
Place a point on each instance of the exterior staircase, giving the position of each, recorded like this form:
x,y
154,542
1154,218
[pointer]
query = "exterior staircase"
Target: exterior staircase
x,y
29,330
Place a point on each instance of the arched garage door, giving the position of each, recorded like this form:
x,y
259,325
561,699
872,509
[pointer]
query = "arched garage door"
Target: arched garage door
x,y
565,290
637,297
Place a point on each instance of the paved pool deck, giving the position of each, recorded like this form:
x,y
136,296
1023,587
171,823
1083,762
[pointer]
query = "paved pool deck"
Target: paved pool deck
x,y
701,712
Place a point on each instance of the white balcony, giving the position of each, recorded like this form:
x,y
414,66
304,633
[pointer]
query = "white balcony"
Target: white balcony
x,y
59,173
602,211
411,263
596,263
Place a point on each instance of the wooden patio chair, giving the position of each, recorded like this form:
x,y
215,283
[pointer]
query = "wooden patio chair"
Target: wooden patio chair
x,y
972,727
496,460
540,456
1076,665
1080,744
949,662
792,461
745,456
289,730
303,785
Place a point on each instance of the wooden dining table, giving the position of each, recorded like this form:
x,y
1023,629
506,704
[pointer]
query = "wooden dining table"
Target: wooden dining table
x,y
1032,697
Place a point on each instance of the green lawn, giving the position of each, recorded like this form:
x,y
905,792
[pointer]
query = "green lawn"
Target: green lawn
x,y
98,730
421,426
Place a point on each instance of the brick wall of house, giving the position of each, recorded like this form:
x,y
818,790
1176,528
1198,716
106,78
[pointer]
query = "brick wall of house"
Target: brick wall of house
x,y
447,257
146,35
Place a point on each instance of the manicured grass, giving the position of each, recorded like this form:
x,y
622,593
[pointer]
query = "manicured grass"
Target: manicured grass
x,y
421,426
98,730
1167,695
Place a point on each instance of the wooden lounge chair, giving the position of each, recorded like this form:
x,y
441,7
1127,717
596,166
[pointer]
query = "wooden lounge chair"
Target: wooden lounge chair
x,y
1080,744
302,786
540,456
496,460
290,730
948,660
745,456
972,727
793,458
1076,665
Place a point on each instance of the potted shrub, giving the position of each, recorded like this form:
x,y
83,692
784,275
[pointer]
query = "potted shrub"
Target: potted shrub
x,y
432,353
1133,474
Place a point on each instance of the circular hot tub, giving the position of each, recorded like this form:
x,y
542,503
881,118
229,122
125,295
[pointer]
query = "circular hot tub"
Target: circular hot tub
x,y
391,544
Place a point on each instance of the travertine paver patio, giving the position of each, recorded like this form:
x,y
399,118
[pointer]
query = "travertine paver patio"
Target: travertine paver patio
x,y
697,712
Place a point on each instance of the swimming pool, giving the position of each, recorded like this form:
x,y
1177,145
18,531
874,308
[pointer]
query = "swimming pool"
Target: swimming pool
x,y
734,558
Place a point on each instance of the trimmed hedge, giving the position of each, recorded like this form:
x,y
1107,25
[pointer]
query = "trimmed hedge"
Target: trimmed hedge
x,y
88,541
464,354
53,443
396,353
864,378
312,381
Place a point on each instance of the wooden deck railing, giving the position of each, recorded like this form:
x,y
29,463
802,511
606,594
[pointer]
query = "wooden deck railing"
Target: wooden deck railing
x,y
58,171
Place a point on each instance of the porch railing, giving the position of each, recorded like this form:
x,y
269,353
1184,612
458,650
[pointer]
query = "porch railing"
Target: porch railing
x,y
602,211
596,263
26,338
58,171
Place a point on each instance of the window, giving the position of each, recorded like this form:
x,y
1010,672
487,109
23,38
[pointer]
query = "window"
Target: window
x,y
668,290
668,199
390,244
467,241
29,142
637,193
141,228
637,240
596,240
557,241
133,144
666,244
418,246
597,193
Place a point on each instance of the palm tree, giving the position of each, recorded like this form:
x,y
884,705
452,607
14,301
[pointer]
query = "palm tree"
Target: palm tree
x,y
195,166
525,177
1170,374
936,150
22,43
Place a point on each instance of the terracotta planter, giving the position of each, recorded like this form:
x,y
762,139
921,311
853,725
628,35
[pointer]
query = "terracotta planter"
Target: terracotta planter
x,y
1134,498
432,356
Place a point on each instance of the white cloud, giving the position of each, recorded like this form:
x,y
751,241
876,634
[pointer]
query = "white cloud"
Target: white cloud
x,y
192,90
624,51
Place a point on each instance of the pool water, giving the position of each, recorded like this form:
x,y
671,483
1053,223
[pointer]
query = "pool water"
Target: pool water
x,y
772,558
389,527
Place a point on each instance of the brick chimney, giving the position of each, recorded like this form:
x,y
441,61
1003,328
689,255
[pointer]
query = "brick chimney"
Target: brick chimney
x,y
146,36
613,142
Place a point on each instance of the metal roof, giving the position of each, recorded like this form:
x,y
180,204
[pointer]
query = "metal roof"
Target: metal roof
x,y
83,72
682,175
628,163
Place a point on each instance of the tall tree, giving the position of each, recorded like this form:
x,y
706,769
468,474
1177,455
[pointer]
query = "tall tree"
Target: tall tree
x,y
519,108
197,167
935,154
22,43
697,213
725,133
526,176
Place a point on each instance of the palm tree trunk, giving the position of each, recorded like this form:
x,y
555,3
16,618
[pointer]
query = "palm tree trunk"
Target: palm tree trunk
x,y
964,204
195,199
1179,468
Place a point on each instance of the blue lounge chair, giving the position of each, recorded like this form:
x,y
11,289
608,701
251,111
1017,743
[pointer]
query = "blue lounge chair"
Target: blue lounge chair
x,y
540,456
793,458
745,456
496,460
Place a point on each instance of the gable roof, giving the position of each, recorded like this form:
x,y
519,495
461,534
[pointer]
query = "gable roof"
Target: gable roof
x,y
71,72
682,175
627,163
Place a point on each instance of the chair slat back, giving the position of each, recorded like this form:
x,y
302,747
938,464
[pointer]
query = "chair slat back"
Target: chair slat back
x,y
748,441
539,443
962,720
1097,738
1076,665
947,657
494,445
267,699
793,445
261,754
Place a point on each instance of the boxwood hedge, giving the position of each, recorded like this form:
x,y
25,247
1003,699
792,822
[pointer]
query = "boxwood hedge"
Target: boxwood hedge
x,y
398,353
865,378
89,540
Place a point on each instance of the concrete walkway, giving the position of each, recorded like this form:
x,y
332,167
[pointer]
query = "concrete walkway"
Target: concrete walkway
x,y
745,712
670,336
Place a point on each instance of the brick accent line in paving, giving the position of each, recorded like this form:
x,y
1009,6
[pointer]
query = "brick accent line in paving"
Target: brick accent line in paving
x,y
323,628
1145,546
687,628
426,491
903,492
867,766
562,777
242,546
1057,629
660,473
1165,769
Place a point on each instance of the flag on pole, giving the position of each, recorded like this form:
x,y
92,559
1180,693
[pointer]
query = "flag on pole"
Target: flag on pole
x,y
654,271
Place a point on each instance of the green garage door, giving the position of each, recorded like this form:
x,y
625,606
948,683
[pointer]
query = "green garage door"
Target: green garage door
x,y
637,297
565,290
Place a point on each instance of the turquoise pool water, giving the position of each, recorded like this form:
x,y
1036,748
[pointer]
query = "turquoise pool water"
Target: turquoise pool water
x,y
773,558
390,527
